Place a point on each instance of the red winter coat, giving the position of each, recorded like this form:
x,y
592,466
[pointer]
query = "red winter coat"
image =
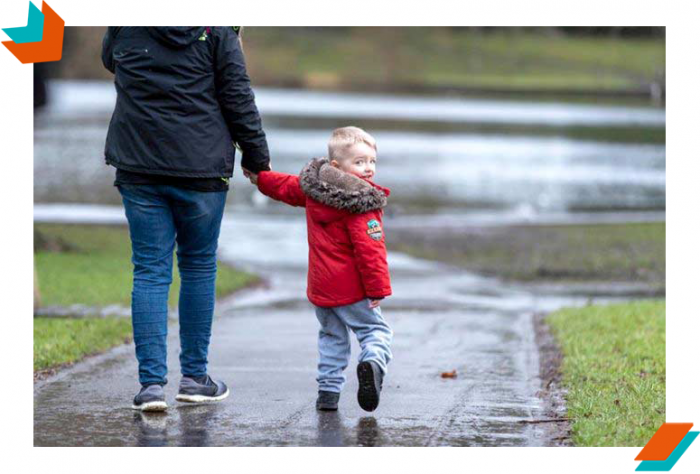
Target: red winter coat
x,y
347,254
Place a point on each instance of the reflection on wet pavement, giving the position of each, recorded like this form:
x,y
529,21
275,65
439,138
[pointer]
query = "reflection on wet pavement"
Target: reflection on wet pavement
x,y
330,429
152,429
368,433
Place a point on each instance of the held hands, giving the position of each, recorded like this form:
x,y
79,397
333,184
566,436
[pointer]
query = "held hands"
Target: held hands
x,y
251,176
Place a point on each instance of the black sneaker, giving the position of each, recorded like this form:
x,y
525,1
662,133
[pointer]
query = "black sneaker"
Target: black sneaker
x,y
327,401
369,378
201,390
150,398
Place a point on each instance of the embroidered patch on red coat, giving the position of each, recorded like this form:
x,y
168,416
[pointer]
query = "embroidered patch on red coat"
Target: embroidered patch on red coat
x,y
374,229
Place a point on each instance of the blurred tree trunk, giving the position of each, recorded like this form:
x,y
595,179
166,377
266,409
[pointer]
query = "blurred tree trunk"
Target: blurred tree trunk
x,y
37,296
390,52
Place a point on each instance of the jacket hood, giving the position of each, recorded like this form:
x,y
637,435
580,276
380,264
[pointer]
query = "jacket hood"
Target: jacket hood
x,y
177,37
340,190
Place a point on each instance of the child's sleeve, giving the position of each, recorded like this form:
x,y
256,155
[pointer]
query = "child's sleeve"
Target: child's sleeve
x,y
367,237
282,187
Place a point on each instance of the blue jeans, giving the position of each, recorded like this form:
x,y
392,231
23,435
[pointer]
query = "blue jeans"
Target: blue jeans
x,y
159,217
373,334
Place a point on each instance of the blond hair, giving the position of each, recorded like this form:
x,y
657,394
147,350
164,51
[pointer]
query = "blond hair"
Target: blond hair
x,y
345,137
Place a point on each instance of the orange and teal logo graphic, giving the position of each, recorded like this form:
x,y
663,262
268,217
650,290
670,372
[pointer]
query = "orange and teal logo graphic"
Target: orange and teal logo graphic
x,y
41,40
666,447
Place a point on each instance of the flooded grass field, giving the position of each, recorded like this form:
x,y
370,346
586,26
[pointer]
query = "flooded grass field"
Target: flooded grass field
x,y
465,155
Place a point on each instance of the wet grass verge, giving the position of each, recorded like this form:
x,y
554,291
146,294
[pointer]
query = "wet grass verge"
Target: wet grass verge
x,y
62,341
614,371
548,253
91,265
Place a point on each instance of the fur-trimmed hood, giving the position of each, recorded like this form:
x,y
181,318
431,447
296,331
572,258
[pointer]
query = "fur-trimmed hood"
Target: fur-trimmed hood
x,y
340,190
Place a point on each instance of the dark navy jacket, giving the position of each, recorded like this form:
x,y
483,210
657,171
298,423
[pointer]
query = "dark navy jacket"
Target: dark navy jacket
x,y
183,98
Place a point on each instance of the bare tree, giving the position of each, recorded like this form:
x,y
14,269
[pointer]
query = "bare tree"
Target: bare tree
x,y
37,295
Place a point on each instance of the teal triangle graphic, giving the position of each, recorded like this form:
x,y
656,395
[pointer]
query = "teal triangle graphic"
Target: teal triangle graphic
x,y
33,32
672,458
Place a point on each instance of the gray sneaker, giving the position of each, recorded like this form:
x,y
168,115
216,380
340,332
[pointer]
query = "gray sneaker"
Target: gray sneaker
x,y
150,398
201,390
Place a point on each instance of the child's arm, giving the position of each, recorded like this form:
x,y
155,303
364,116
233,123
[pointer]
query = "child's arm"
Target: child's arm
x,y
367,237
281,187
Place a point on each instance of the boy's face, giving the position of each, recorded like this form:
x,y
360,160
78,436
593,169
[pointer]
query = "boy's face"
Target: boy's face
x,y
359,159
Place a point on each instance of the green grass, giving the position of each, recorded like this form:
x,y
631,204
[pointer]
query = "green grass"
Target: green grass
x,y
60,341
614,369
99,271
597,252
91,265
505,59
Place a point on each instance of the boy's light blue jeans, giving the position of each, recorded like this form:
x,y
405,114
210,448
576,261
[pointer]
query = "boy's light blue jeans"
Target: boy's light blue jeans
x,y
159,216
373,334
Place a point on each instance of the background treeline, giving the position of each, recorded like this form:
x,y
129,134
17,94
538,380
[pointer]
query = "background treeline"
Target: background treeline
x,y
605,60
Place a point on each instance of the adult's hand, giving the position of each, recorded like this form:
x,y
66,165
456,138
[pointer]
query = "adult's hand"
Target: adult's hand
x,y
251,176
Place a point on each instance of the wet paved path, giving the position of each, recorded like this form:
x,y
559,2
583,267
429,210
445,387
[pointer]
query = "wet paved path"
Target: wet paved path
x,y
264,347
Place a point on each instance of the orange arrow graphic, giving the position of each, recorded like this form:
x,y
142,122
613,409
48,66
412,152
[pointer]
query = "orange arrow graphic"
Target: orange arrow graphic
x,y
50,48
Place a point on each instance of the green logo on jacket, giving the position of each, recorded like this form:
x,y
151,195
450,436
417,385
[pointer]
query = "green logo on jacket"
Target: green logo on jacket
x,y
374,230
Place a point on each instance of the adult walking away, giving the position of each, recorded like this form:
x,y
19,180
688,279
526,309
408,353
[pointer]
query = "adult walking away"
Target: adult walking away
x,y
183,99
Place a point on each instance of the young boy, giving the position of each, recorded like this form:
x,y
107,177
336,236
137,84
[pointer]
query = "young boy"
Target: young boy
x,y
348,272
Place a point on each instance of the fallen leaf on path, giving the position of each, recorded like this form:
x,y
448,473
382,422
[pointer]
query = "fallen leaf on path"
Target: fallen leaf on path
x,y
449,375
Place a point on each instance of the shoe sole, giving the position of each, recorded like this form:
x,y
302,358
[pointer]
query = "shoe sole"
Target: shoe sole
x,y
367,394
151,406
181,397
326,408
